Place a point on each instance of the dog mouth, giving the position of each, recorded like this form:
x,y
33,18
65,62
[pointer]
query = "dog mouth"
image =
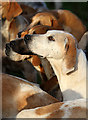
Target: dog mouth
x,y
7,49
32,53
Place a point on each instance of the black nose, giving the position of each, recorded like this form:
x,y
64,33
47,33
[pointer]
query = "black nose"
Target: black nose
x,y
27,38
19,34
12,43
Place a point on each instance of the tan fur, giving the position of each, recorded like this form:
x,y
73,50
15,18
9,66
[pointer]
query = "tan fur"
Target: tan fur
x,y
70,57
18,94
42,111
73,109
8,9
72,22
62,19
38,29
41,17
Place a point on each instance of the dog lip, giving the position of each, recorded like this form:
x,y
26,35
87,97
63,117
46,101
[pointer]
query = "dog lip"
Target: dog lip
x,y
31,53
7,49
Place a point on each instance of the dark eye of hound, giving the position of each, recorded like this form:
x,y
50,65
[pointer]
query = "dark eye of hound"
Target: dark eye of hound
x,y
34,32
50,38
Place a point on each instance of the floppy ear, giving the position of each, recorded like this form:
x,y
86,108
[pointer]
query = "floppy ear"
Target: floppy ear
x,y
55,24
10,10
69,61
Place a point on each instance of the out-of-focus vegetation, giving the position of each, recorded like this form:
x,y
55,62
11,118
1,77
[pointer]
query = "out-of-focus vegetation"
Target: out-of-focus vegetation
x,y
79,8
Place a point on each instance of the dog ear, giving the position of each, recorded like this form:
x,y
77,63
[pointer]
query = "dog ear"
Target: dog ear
x,y
69,61
10,10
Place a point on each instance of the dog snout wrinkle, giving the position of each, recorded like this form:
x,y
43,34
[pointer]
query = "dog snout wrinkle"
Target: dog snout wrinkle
x,y
27,38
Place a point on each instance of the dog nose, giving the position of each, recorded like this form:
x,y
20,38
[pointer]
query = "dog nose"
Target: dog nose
x,y
19,35
12,43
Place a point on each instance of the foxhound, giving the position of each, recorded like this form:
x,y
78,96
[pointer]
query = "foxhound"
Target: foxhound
x,y
19,94
69,63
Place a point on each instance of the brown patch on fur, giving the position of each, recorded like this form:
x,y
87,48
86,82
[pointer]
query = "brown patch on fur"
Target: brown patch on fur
x,y
48,109
38,29
13,29
10,10
70,21
66,105
56,114
50,84
70,57
36,60
24,33
27,10
78,112
39,99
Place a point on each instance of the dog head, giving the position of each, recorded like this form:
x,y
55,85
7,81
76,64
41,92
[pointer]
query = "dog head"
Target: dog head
x,y
10,10
45,18
38,29
54,45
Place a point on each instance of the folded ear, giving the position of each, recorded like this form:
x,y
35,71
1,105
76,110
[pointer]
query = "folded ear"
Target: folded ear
x,y
69,61
10,10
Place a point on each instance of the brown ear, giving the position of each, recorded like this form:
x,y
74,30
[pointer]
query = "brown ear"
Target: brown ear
x,y
10,10
69,61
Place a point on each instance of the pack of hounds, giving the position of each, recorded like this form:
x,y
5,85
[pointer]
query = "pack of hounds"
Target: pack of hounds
x,y
44,62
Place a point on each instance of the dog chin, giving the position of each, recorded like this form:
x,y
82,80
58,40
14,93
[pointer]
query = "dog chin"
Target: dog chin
x,y
32,53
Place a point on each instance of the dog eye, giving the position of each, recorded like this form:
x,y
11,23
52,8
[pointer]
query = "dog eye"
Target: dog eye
x,y
50,38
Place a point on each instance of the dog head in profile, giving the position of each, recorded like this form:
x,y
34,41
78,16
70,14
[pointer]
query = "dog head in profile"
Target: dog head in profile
x,y
18,45
54,45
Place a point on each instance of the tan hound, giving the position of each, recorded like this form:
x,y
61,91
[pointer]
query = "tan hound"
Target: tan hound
x,y
19,94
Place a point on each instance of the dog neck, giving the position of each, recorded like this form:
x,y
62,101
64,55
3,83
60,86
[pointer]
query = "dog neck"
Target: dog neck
x,y
76,79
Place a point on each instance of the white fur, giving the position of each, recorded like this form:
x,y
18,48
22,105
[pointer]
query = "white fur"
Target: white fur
x,y
73,85
67,108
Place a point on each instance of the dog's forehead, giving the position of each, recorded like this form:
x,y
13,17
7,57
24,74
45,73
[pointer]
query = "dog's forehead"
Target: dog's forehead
x,y
57,34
